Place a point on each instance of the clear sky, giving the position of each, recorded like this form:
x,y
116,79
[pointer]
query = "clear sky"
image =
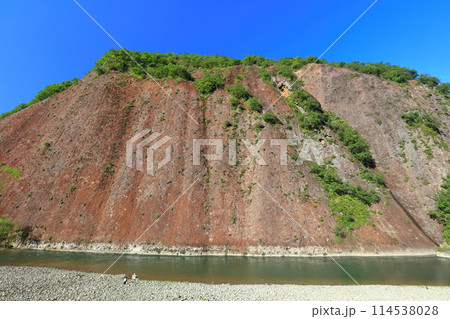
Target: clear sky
x,y
49,41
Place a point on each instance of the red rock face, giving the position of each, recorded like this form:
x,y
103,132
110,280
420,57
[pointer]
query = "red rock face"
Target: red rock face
x,y
78,188
374,107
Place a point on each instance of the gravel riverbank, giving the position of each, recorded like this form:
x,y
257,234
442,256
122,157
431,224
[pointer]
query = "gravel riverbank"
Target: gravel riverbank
x,y
37,283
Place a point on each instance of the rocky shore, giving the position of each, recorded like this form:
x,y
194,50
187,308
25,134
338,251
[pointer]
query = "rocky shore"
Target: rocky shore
x,y
37,283
251,251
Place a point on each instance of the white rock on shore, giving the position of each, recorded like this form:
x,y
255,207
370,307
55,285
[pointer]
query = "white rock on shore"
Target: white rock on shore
x,y
36,283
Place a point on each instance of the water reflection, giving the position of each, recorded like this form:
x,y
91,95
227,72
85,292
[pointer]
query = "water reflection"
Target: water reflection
x,y
251,270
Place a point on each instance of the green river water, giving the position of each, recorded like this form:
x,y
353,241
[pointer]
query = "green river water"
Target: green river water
x,y
247,270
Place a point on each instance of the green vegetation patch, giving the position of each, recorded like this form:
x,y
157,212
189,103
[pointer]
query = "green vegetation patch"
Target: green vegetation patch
x,y
434,83
313,119
241,96
428,80
350,213
265,75
425,121
180,66
373,177
254,105
239,92
386,71
209,83
351,139
335,186
42,95
429,125
9,231
350,203
159,64
6,227
14,172
271,119
442,214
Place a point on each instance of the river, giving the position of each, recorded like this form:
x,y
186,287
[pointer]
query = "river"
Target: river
x,y
420,270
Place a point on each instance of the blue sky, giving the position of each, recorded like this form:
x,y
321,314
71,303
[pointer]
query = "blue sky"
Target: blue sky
x,y
49,41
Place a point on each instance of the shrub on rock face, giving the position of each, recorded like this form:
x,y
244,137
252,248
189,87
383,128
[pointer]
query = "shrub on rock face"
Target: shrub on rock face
x,y
428,80
350,212
271,118
373,177
254,105
256,60
335,186
209,83
431,122
168,71
234,102
412,119
311,121
384,70
442,214
265,75
349,202
239,91
6,227
354,142
286,71
444,89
